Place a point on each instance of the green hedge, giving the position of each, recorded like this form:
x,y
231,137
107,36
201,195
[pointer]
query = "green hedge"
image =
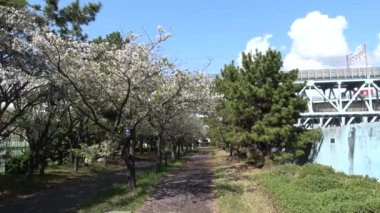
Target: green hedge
x,y
17,165
317,188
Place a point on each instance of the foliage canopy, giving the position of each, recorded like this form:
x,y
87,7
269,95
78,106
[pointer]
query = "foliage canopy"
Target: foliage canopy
x,y
258,107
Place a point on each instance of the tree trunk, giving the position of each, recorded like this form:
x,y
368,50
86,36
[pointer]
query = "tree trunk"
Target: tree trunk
x,y
159,157
178,151
60,157
132,151
129,160
42,168
173,152
71,157
166,159
76,163
31,164
60,152
42,164
260,158
141,145
149,142
153,144
131,172
231,149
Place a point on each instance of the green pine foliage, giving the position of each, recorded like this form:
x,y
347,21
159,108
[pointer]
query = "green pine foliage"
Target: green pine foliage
x,y
258,108
70,19
114,38
18,4
67,21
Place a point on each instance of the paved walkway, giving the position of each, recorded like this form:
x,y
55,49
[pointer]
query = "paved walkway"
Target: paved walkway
x,y
189,189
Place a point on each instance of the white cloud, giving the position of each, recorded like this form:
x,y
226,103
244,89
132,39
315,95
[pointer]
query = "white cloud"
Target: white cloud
x,y
260,43
257,43
295,61
318,42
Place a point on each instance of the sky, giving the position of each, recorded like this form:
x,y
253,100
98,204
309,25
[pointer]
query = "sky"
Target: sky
x,y
207,34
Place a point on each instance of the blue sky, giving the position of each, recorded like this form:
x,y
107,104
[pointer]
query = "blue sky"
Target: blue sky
x,y
219,29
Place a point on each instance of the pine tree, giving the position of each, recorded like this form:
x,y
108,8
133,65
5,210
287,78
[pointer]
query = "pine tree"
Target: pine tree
x,y
70,19
18,4
67,21
113,38
259,106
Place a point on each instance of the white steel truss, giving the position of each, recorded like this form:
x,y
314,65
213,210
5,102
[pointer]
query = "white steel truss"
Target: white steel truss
x,y
340,99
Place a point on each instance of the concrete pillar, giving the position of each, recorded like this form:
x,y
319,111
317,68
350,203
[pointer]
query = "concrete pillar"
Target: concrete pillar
x,y
320,122
342,121
340,97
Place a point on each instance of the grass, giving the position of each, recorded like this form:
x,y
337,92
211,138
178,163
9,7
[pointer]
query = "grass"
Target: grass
x,y
55,175
292,188
235,189
119,197
316,188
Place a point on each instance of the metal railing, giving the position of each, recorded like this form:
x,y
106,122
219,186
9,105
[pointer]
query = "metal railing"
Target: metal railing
x,y
343,73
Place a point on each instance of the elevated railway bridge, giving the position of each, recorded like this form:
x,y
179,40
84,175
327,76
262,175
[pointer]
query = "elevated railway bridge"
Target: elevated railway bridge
x,y
340,97
337,98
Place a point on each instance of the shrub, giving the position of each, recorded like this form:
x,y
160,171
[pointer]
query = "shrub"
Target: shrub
x,y
254,157
317,188
312,169
372,205
314,183
17,165
288,170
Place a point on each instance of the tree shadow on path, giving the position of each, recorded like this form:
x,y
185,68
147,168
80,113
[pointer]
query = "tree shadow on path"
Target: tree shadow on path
x,y
189,189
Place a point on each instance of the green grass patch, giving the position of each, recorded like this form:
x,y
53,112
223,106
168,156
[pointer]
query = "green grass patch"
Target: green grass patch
x,y
235,190
317,188
119,197
55,175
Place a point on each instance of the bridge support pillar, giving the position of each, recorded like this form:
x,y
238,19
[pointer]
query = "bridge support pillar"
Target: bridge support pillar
x,y
320,122
343,121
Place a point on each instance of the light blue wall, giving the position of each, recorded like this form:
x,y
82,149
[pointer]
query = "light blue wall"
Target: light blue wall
x,y
356,150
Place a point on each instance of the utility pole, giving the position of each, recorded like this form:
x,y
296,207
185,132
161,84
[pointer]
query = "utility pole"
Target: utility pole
x,y
360,53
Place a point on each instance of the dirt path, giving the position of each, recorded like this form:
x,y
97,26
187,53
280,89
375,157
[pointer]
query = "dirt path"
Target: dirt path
x,y
66,198
189,189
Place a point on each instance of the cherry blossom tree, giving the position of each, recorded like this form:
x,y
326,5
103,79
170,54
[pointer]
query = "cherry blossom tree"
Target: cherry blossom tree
x,y
22,72
114,86
111,86
182,94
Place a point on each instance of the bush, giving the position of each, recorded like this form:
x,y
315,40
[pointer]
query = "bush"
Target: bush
x,y
317,188
319,183
17,165
313,169
288,170
372,205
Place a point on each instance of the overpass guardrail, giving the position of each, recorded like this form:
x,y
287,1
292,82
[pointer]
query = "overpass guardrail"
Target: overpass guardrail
x,y
343,73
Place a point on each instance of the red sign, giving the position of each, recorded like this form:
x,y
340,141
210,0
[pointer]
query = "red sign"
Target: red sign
x,y
366,91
